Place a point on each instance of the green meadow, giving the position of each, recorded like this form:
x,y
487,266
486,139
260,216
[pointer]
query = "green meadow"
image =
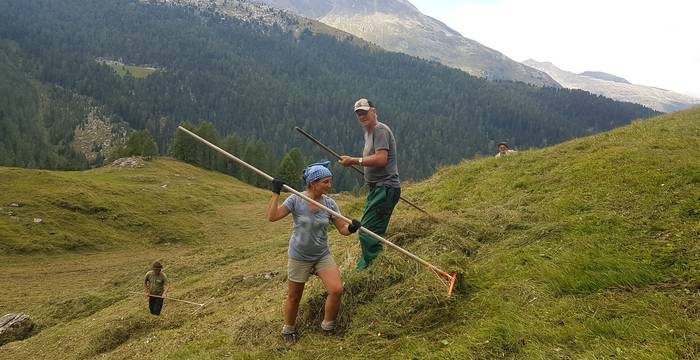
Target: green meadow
x,y
139,72
585,250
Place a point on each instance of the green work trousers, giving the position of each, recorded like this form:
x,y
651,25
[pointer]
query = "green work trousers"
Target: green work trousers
x,y
380,204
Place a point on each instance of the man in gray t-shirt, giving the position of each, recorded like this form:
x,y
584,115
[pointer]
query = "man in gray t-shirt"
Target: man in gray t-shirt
x,y
380,162
381,139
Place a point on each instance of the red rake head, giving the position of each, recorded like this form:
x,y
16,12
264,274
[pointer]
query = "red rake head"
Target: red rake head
x,y
450,281
453,279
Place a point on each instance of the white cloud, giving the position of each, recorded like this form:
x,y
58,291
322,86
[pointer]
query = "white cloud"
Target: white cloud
x,y
647,42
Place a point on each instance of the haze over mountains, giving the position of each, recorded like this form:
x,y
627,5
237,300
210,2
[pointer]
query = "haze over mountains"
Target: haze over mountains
x,y
617,88
397,25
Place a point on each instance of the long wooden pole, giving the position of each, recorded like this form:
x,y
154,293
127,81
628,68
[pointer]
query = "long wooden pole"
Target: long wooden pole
x,y
449,277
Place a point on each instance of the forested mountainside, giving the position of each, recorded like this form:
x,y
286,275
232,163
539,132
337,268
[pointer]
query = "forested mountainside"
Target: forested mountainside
x,y
36,121
258,81
397,25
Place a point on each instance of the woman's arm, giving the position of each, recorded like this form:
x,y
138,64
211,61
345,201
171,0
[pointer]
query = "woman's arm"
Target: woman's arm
x,y
345,228
274,210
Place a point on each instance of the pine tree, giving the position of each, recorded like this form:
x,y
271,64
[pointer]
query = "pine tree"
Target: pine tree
x,y
184,147
141,143
206,157
232,145
291,168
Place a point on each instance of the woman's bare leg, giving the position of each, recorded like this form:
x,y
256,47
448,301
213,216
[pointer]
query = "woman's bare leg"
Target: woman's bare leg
x,y
334,286
291,306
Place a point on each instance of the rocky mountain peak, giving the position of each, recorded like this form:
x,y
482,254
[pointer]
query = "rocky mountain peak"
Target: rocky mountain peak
x,y
617,88
397,25
604,76
321,8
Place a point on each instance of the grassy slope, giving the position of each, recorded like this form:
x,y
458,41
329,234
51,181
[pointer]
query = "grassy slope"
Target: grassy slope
x,y
588,249
138,72
167,202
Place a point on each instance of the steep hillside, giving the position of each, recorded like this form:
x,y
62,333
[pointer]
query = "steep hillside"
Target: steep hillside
x,y
617,88
604,76
142,204
42,125
397,25
257,12
588,249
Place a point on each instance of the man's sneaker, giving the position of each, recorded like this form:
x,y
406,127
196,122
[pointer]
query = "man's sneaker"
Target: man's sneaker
x,y
330,332
290,339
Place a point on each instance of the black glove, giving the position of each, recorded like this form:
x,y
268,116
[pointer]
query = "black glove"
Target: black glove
x,y
277,186
352,228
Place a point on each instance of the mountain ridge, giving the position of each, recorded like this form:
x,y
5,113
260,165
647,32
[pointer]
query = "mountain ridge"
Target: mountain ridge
x,y
604,76
400,26
653,97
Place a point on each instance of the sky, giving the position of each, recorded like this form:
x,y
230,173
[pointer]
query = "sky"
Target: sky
x,y
654,43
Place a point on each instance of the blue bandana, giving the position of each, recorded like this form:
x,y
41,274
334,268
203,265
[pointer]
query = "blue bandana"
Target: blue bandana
x,y
317,171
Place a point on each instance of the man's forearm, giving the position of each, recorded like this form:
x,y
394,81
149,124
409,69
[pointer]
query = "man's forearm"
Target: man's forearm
x,y
379,159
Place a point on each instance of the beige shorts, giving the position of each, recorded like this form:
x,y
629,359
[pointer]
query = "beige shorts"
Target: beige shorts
x,y
299,271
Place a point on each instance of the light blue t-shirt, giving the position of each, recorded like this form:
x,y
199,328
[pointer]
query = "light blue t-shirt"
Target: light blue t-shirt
x,y
309,241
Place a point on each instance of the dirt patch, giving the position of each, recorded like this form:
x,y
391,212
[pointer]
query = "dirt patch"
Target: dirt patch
x,y
134,162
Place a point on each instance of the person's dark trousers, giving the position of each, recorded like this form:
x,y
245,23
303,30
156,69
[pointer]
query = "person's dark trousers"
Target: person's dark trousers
x,y
381,201
155,305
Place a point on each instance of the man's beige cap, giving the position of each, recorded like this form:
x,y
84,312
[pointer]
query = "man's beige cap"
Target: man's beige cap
x,y
362,104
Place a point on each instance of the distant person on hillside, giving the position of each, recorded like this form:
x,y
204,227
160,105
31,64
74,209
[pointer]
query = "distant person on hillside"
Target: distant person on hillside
x,y
503,150
380,162
308,246
155,287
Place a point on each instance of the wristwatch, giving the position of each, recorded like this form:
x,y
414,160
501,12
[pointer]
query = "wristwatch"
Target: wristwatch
x,y
360,161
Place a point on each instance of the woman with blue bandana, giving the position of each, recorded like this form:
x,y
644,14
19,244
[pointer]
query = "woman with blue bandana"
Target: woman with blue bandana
x,y
308,245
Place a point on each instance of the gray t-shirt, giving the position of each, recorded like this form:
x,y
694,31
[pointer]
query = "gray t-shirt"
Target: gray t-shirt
x,y
380,138
155,282
309,241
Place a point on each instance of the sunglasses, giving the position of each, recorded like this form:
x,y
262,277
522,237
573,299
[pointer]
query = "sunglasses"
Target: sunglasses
x,y
361,113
